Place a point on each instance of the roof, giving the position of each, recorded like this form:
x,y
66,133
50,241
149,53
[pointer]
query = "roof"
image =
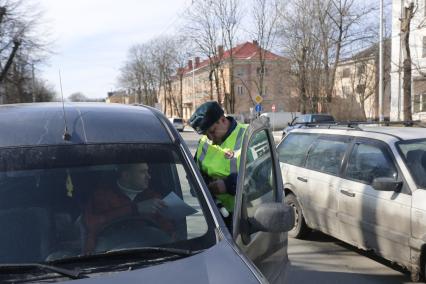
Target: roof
x,y
244,51
388,134
44,124
370,52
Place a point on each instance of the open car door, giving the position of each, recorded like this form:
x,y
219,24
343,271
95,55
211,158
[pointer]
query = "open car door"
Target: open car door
x,y
261,219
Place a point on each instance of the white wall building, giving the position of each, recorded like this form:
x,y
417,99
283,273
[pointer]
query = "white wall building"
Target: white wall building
x,y
418,56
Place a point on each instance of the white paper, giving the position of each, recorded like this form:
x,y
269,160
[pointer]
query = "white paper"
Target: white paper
x,y
176,207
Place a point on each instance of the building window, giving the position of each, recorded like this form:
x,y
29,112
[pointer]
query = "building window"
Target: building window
x,y
240,71
259,71
423,102
360,88
361,69
265,92
346,91
424,47
416,103
346,73
240,90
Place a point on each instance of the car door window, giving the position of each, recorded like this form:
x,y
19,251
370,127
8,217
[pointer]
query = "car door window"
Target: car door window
x,y
259,181
368,162
294,148
326,155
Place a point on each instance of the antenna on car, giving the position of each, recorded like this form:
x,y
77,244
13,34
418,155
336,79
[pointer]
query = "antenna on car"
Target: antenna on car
x,y
66,135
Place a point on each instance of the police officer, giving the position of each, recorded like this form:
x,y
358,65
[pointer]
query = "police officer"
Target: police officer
x,y
218,153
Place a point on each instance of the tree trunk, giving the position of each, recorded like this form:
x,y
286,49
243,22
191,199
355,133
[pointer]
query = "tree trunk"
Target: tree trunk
x,y
406,84
16,45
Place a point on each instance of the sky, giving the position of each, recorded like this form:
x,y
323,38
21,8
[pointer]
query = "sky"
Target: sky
x,y
91,39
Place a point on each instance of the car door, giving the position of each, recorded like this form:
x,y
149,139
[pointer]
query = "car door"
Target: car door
x,y
323,165
292,152
259,184
372,218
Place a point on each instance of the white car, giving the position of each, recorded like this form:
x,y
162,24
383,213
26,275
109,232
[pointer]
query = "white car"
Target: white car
x,y
177,123
365,186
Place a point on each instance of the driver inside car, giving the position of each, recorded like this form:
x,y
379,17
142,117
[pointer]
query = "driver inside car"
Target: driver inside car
x,y
129,196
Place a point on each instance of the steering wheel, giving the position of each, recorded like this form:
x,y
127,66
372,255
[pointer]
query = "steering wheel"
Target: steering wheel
x,y
128,232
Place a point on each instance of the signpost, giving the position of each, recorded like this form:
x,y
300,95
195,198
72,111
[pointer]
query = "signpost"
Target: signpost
x,y
258,99
258,108
273,118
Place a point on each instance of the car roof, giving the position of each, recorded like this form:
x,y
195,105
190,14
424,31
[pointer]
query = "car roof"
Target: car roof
x,y
44,124
387,134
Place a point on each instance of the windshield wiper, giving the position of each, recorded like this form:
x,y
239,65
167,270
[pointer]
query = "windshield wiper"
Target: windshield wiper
x,y
138,250
133,252
73,274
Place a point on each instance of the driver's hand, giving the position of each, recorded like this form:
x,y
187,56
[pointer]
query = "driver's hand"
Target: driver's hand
x,y
151,206
217,187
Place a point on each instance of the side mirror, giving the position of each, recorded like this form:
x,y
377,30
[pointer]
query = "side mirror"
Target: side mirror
x,y
386,184
273,218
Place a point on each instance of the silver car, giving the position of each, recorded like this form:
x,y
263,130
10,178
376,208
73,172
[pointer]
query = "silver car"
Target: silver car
x,y
178,123
63,218
363,185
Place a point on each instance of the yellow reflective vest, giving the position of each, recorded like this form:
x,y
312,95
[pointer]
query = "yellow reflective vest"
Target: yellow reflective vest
x,y
213,163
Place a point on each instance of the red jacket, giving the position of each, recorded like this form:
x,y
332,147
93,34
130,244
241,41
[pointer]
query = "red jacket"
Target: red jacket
x,y
110,203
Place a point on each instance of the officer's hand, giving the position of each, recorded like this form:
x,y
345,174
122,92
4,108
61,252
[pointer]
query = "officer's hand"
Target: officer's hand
x,y
150,206
217,187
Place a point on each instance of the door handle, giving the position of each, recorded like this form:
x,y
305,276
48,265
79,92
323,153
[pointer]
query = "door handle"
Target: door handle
x,y
345,192
302,179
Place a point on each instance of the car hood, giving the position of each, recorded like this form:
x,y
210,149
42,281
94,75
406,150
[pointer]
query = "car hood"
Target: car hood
x,y
219,264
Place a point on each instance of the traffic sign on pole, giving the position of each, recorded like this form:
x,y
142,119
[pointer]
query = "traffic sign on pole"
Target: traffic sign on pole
x,y
273,108
258,99
258,108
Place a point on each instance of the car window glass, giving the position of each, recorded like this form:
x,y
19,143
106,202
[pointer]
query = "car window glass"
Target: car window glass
x,y
326,156
301,119
368,162
294,148
57,204
414,153
259,179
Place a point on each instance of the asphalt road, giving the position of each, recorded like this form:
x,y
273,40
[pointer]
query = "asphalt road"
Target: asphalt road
x,y
322,259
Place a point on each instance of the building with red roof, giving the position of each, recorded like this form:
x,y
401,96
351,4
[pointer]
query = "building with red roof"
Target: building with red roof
x,y
196,83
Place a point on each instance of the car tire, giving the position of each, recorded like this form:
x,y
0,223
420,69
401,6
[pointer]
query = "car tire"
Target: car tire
x,y
300,229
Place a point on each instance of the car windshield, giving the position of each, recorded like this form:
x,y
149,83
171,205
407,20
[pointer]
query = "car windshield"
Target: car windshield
x,y
322,118
59,202
414,152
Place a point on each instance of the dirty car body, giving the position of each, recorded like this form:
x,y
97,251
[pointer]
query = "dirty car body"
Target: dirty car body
x,y
47,180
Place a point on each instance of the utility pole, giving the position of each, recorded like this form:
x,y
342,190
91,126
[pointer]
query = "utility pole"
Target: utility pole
x,y
33,83
193,85
381,118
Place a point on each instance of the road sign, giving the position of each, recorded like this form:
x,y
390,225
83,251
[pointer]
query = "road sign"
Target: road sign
x,y
273,108
258,99
258,108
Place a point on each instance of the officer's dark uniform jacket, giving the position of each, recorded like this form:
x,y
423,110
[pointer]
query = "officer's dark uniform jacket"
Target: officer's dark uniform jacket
x,y
214,164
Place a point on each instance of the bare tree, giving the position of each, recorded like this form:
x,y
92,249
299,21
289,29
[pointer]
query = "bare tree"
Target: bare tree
x,y
78,97
265,15
203,28
327,26
228,12
408,14
22,45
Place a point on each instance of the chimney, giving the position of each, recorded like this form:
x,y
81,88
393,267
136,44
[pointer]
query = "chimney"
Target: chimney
x,y
255,43
220,50
189,64
197,62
